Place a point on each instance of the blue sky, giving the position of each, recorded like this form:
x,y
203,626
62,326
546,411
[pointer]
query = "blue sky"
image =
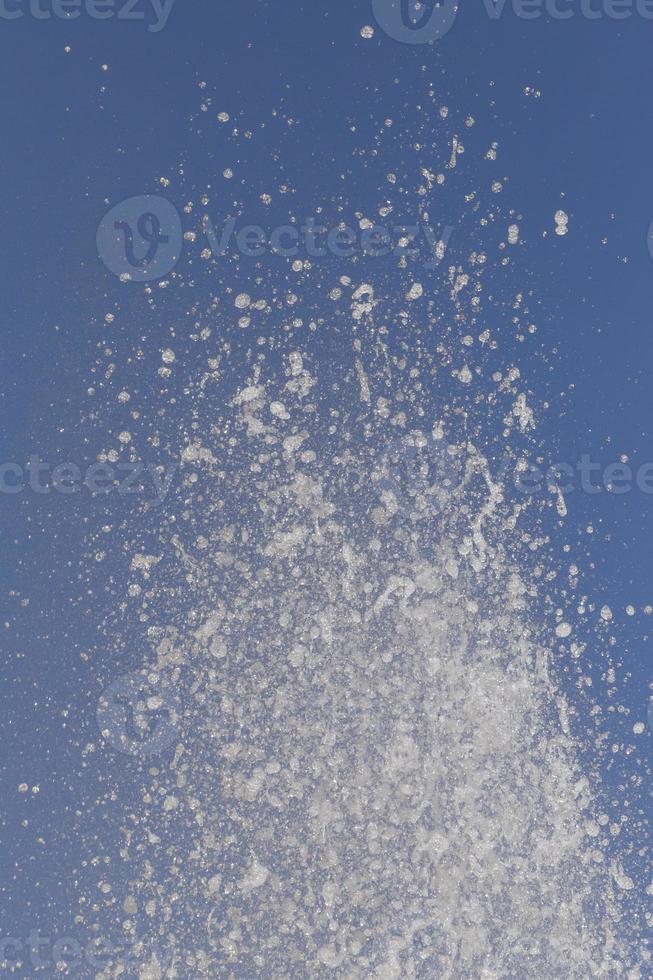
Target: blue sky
x,y
76,135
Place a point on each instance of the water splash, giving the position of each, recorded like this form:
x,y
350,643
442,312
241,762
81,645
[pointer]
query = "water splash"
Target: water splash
x,y
369,771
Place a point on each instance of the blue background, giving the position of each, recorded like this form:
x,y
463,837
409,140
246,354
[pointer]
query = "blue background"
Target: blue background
x,y
74,135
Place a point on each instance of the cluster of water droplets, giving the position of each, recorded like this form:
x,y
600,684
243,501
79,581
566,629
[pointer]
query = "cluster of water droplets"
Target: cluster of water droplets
x,y
359,764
